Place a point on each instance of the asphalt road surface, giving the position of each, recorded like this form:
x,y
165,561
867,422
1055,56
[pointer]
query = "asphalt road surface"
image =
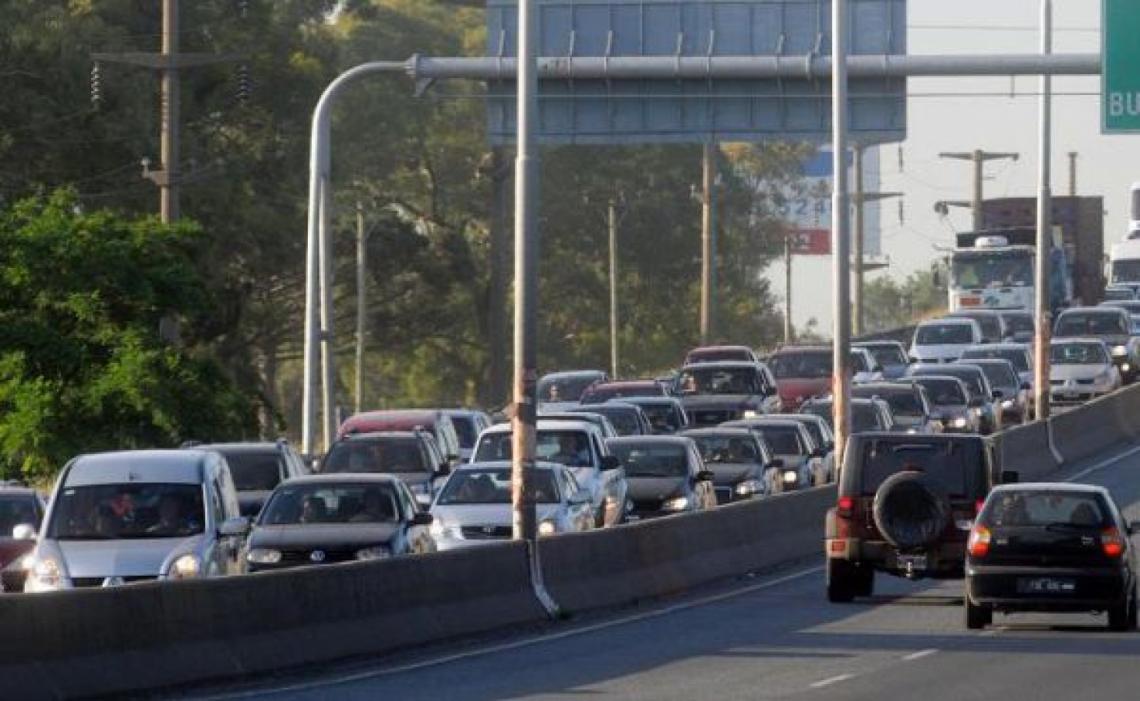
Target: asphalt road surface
x,y
779,638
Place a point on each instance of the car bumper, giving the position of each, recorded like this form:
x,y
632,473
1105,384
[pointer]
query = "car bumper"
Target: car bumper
x,y
1092,589
945,561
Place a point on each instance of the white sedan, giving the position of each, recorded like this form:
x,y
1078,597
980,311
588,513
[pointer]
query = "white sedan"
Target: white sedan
x,y
1081,369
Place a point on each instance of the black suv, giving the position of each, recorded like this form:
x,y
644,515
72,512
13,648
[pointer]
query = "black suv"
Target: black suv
x,y
906,505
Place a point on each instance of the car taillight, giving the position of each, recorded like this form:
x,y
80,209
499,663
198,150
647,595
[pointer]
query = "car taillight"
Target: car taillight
x,y
979,543
846,507
1112,542
978,506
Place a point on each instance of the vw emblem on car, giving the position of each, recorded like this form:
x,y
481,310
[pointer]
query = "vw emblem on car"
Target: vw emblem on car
x,y
114,582
317,556
489,530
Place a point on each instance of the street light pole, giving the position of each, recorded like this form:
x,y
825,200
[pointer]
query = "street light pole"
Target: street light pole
x,y
361,317
840,239
708,242
1041,390
612,221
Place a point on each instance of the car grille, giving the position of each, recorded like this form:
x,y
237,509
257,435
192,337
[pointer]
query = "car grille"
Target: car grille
x,y
1085,382
86,582
714,417
723,495
1056,383
486,532
305,557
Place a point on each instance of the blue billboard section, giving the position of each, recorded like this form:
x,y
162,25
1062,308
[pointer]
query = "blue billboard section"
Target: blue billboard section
x,y
700,110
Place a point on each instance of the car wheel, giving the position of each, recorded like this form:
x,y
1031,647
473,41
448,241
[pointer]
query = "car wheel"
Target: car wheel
x,y
1122,616
977,617
864,581
840,582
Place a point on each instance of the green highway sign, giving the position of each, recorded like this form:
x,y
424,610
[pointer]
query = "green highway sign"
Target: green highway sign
x,y
1120,72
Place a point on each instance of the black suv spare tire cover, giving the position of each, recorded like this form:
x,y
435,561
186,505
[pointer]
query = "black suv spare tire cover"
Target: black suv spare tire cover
x,y
911,510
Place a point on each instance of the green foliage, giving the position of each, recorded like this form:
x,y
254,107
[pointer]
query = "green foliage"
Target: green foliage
x,y
82,366
889,304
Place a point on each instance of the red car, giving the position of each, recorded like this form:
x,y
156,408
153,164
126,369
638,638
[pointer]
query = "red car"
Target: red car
x,y
802,372
20,508
435,421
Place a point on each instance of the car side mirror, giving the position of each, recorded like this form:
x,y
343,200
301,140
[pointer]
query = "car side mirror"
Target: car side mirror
x,y
705,476
818,453
24,531
610,462
422,518
998,394
777,462
1010,477
445,468
1026,385
238,526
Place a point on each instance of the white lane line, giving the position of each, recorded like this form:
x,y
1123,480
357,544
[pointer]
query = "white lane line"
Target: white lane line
x,y
831,680
1103,464
526,642
919,655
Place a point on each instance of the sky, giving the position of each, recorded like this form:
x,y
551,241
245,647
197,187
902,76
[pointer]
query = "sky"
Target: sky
x,y
1107,165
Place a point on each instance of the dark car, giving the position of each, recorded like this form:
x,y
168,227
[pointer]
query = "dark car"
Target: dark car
x,y
567,387
1050,547
890,355
991,321
910,407
981,397
257,469
717,354
21,512
1019,324
666,475
410,455
950,403
624,389
1020,354
906,504
1011,393
325,519
666,414
627,419
715,392
739,461
867,415
436,421
1111,325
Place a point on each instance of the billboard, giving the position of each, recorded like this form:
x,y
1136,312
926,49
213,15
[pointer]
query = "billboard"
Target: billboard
x,y
809,208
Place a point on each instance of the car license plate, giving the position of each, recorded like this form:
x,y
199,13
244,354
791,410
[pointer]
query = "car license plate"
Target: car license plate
x,y
1045,585
912,562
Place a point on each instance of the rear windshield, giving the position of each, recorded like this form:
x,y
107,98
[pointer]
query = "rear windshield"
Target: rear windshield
x,y
944,334
1091,324
385,455
255,472
957,466
727,449
1019,358
865,418
782,440
901,403
970,375
999,375
662,416
653,460
564,389
18,510
990,325
1019,323
943,392
465,429
493,486
570,448
604,393
1045,508
624,419
807,365
888,355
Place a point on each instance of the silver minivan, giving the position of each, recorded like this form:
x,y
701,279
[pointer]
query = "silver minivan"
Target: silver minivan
x,y
134,516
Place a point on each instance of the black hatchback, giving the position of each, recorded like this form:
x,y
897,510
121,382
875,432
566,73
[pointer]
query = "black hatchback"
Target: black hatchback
x,y
1050,547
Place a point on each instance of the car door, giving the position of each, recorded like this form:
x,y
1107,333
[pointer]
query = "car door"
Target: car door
x,y
703,489
576,502
416,539
228,551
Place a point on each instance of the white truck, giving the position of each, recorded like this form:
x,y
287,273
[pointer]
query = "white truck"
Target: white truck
x,y
1124,257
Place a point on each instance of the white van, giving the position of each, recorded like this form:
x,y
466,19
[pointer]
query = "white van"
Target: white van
x,y
944,340
136,516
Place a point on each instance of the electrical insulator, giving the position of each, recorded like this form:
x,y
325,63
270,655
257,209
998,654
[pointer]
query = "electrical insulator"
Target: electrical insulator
x,y
243,84
96,86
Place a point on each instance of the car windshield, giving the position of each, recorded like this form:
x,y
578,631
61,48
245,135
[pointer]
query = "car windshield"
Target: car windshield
x,y
864,418
377,455
888,355
968,374
781,440
17,510
859,363
623,419
653,460
713,380
1119,293
493,486
604,393
807,364
999,375
324,503
465,430
944,334
127,511
1019,323
716,355
944,392
990,324
822,410
1077,354
662,416
1046,508
1010,269
956,466
569,447
1091,324
254,472
565,388
902,403
1019,358
728,449
1125,271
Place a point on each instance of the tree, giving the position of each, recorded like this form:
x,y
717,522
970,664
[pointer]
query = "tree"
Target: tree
x,y
890,304
82,365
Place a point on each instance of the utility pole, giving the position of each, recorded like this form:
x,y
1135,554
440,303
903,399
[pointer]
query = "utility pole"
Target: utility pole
x,y
789,328
498,283
360,313
1073,155
979,158
861,198
169,64
840,240
612,221
1041,373
708,242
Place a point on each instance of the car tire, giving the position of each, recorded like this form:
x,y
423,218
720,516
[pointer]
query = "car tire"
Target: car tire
x,y
864,580
840,582
977,617
1122,616
911,510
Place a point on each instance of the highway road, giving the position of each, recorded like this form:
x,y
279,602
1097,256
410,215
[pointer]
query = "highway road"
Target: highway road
x,y
778,638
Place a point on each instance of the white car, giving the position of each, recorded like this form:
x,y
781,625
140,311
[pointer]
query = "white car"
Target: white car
x,y
944,340
580,446
1081,369
864,367
474,507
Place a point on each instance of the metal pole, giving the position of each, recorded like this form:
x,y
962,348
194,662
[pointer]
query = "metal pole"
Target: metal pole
x,y
979,197
1073,173
360,314
789,328
498,392
526,280
857,292
708,167
1044,225
613,292
171,104
328,354
840,239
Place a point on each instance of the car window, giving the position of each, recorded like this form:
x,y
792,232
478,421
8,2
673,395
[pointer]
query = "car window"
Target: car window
x,y
888,355
999,375
466,430
958,467
382,455
727,448
865,418
653,460
1077,354
783,440
124,511
493,486
1044,508
944,392
16,510
565,388
944,334
255,471
1091,324
571,448
305,504
1019,358
807,364
716,380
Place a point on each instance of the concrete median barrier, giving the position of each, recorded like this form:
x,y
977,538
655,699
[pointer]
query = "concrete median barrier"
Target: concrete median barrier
x,y
1025,450
669,555
1098,425
114,641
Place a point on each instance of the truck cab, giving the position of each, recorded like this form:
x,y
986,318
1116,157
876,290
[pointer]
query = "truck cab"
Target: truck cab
x,y
995,270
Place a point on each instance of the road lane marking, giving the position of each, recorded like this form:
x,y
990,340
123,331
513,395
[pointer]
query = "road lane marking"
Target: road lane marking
x,y
518,644
831,680
919,655
1103,464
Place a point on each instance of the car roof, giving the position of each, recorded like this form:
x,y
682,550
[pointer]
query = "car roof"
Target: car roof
x,y
702,349
948,320
548,424
564,374
373,435
814,418
761,421
342,478
662,398
802,349
941,378
628,383
18,491
648,440
1078,339
905,438
1090,310
970,313
139,466
718,431
612,403
873,344
262,447
723,364
985,361
504,464
897,387
1052,486
999,346
927,367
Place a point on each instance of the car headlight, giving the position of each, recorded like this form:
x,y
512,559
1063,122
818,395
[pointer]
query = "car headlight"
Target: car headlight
x,y
1119,351
376,552
47,573
439,529
1125,367
676,504
547,528
749,487
27,562
1007,404
263,556
751,414
791,477
185,567
959,422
